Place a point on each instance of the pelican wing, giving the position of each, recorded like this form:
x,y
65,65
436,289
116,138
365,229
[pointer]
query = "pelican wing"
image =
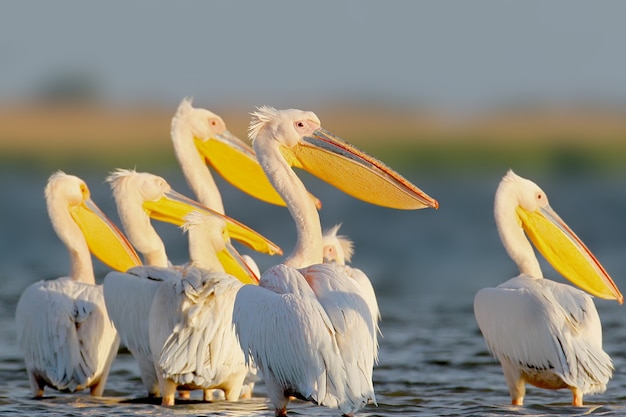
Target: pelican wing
x,y
539,324
355,327
191,326
347,305
129,297
65,333
368,291
261,316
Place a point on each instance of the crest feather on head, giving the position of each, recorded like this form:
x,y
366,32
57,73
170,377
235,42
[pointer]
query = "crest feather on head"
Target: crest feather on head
x,y
185,104
116,178
260,118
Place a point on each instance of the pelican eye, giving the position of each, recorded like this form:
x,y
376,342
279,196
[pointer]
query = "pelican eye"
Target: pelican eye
x,y
164,185
84,190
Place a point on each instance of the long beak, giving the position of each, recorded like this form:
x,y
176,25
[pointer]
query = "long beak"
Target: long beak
x,y
234,265
173,207
355,172
567,253
237,163
105,241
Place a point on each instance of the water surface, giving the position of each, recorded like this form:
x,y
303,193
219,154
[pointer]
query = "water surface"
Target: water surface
x,y
426,267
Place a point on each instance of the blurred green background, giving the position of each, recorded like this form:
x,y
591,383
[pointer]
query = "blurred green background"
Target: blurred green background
x,y
442,86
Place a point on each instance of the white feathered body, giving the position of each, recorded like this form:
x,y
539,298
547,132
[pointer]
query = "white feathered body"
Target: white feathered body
x,y
65,334
129,296
192,336
318,318
367,291
546,332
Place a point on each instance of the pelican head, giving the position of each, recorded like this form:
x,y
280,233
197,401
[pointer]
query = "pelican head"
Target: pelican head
x,y
203,124
210,236
304,144
68,193
552,237
337,248
135,192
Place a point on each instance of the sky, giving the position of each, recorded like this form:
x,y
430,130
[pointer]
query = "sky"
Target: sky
x,y
455,55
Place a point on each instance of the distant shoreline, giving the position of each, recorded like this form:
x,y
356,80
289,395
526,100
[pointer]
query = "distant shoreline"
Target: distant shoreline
x,y
76,134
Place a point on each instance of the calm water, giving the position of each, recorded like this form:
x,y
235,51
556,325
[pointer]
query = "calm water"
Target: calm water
x,y
426,267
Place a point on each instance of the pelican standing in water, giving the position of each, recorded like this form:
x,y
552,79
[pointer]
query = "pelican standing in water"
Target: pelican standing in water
x,y
542,332
308,326
62,325
129,296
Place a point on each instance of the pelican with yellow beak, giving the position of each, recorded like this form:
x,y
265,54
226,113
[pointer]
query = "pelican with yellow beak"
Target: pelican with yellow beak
x,y
202,140
129,296
308,326
544,333
63,327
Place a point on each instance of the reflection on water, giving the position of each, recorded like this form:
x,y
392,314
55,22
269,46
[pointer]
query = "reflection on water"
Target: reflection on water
x,y
426,267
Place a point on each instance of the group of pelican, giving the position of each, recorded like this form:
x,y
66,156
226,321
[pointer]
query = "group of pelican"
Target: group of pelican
x,y
308,325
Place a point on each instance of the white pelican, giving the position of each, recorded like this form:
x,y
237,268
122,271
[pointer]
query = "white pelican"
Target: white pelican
x,y
307,326
192,337
63,328
129,296
544,333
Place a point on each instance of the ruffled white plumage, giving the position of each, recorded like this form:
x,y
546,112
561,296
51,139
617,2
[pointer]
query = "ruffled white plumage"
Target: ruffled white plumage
x,y
191,320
